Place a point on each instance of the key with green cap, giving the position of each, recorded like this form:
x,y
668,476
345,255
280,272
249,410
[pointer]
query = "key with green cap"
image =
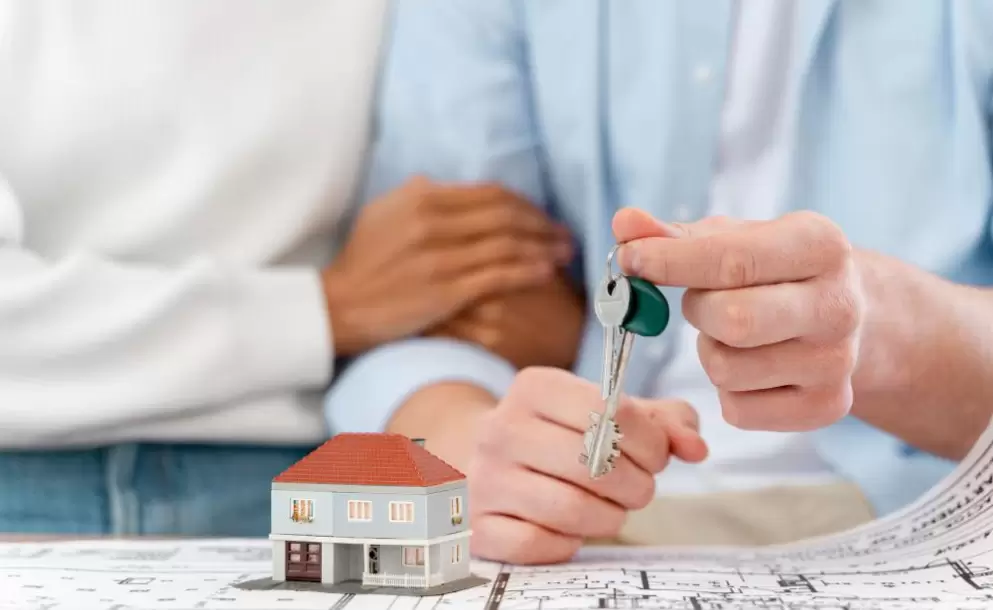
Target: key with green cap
x,y
625,306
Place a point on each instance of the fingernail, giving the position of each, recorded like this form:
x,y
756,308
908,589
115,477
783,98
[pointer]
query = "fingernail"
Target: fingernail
x,y
629,258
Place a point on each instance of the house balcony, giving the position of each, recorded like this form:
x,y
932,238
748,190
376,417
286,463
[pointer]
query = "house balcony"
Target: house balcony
x,y
400,580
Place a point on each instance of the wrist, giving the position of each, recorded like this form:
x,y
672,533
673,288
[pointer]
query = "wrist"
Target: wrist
x,y
349,335
445,415
900,324
922,372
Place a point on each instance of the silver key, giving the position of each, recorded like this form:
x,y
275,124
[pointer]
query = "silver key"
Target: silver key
x,y
602,438
611,304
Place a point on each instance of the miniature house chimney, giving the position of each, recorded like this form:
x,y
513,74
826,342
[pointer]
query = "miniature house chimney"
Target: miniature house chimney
x,y
419,441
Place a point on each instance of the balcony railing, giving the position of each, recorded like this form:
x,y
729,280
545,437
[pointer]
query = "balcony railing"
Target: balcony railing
x,y
400,580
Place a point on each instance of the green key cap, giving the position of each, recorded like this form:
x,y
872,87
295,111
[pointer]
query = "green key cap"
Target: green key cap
x,y
648,313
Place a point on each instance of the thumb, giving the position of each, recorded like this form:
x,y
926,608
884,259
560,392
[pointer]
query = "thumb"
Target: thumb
x,y
632,223
681,424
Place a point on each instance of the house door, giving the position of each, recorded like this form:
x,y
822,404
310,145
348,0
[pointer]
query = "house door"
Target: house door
x,y
303,561
374,559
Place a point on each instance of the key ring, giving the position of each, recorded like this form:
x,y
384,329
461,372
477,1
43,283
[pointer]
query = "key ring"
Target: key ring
x,y
610,259
612,277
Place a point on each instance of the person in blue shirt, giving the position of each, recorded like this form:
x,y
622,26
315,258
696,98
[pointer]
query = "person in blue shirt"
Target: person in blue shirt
x,y
810,181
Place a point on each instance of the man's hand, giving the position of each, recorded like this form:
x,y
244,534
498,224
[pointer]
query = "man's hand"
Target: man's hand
x,y
531,501
779,306
533,327
425,251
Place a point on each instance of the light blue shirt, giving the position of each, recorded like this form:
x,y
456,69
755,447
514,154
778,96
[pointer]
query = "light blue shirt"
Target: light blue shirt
x,y
585,106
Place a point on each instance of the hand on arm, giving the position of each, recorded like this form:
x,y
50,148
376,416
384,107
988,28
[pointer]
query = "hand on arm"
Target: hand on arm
x,y
539,326
796,327
424,252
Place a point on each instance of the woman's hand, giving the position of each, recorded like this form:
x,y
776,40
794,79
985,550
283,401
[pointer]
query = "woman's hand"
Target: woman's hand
x,y
425,251
535,327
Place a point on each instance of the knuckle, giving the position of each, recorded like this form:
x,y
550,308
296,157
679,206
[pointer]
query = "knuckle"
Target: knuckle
x,y
840,310
731,410
841,360
827,407
827,236
495,430
504,247
571,507
419,229
737,324
432,265
524,543
715,362
643,493
534,379
736,267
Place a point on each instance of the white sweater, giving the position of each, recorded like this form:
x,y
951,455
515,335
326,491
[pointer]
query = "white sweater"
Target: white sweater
x,y
172,175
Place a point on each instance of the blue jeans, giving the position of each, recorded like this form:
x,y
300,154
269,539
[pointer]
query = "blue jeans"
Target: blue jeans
x,y
142,489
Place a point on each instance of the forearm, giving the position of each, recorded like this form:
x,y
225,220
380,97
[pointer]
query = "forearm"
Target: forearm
x,y
925,371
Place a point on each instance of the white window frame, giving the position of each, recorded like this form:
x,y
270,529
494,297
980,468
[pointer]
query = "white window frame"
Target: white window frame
x,y
401,512
418,552
457,553
305,512
360,510
455,506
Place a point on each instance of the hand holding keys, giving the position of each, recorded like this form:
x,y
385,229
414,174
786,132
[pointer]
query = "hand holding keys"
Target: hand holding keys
x,y
625,306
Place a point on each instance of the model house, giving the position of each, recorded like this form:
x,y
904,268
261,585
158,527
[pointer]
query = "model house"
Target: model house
x,y
374,508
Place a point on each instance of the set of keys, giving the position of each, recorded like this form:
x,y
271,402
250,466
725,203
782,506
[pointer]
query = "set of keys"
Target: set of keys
x,y
625,306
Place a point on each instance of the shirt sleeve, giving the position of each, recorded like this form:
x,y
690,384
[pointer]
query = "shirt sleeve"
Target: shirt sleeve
x,y
91,344
372,387
453,106
454,101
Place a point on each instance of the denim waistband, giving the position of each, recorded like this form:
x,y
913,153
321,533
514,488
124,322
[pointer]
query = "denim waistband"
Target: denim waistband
x,y
142,489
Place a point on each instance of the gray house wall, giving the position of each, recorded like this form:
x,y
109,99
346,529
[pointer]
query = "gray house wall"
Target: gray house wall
x,y
439,516
391,561
450,571
282,506
380,525
432,515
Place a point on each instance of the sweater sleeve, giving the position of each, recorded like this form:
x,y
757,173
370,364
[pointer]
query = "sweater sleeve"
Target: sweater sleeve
x,y
88,343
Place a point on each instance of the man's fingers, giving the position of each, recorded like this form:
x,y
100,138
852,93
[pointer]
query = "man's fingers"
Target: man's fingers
x,y
795,247
681,423
509,540
790,363
545,447
563,399
553,504
790,409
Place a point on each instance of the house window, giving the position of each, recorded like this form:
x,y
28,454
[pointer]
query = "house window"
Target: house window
x,y
402,512
413,556
455,507
359,510
302,511
457,553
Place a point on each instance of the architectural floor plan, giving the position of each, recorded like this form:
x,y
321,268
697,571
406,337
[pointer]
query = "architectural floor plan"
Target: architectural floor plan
x,y
937,553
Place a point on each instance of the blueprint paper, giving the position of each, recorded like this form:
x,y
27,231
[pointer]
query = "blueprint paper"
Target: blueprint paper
x,y
936,553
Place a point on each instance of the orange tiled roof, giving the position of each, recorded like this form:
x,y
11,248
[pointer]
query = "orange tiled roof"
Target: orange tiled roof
x,y
371,459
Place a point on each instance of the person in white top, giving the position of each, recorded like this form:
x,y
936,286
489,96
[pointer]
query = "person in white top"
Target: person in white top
x,y
176,180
